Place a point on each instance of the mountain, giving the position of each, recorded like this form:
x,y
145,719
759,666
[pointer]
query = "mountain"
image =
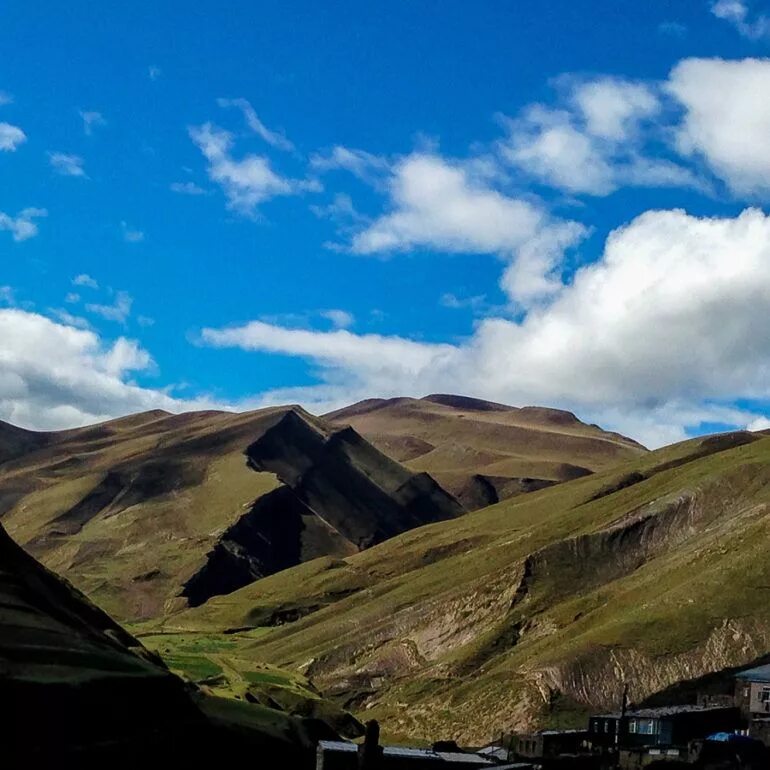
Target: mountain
x,y
538,609
80,691
156,511
483,452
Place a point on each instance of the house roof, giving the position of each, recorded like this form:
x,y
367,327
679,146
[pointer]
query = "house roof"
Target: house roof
x,y
448,757
758,674
662,711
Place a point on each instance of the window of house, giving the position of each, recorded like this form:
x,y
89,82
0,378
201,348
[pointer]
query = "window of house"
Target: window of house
x,y
646,726
764,696
632,726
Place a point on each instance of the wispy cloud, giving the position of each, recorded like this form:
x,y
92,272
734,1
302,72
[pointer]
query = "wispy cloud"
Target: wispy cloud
x,y
154,72
11,137
91,119
5,98
131,234
364,165
339,319
187,188
736,12
23,225
247,182
66,165
118,311
274,138
85,280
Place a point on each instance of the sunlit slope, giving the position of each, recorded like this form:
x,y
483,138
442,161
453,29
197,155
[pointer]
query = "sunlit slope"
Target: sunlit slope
x,y
536,608
484,452
152,512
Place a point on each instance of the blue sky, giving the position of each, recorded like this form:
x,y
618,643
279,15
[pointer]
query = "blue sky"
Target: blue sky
x,y
313,202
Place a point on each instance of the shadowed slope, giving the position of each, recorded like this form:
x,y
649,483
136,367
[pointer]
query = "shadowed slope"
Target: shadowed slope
x,y
484,452
77,688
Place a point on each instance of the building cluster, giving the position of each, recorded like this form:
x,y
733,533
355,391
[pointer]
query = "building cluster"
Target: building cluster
x,y
726,731
717,733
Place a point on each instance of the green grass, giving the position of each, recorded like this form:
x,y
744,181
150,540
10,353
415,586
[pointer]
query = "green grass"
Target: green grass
x,y
684,598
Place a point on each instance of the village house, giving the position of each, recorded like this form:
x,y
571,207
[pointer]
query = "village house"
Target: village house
x,y
547,744
752,697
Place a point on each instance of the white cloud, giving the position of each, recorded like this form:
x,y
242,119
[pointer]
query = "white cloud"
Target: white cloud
x,y
118,311
85,280
760,423
91,119
660,334
546,144
453,302
727,118
436,204
66,165
444,205
736,12
72,297
23,225
612,108
131,234
597,143
55,375
247,182
11,137
340,319
360,163
274,138
187,188
69,319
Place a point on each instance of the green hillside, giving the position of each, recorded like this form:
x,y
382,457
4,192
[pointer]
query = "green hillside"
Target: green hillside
x,y
536,609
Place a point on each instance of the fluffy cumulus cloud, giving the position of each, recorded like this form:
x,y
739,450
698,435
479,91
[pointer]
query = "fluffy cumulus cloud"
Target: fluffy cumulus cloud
x,y
246,182
451,206
596,141
11,137
661,334
54,375
727,118
23,226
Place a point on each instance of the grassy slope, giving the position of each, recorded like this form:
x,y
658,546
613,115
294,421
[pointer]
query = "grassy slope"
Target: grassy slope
x,y
132,569
131,509
538,607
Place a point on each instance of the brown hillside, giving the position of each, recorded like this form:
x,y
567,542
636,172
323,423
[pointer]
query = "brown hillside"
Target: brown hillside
x,y
156,511
485,452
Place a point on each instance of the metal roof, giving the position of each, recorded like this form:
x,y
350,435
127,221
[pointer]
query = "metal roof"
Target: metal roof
x,y
662,711
758,674
398,751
